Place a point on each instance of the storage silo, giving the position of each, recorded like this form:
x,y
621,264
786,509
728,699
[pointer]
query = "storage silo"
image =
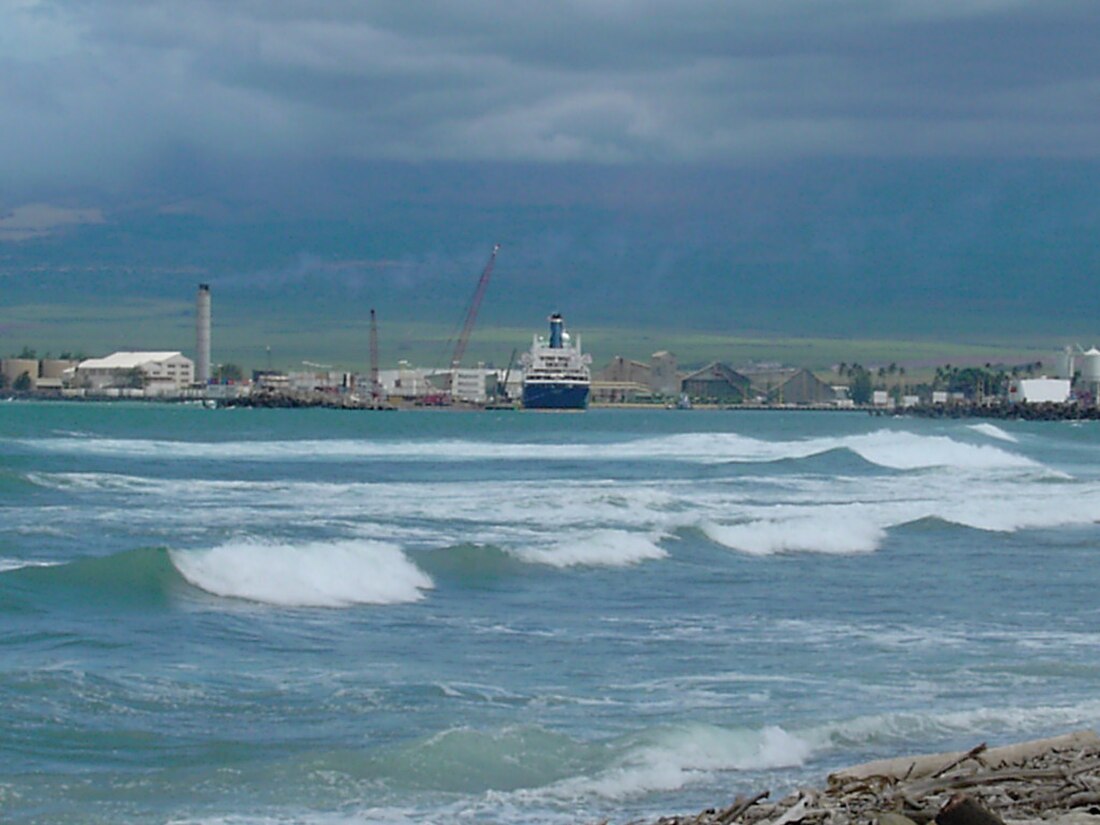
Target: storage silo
x,y
1090,366
1065,363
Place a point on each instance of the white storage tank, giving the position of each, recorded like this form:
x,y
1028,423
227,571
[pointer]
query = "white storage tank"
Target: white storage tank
x,y
1065,363
1090,366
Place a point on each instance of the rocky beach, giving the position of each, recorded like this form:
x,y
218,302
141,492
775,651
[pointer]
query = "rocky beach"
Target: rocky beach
x,y
1054,780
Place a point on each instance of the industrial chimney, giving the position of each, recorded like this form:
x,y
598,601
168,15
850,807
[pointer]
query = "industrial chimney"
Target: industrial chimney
x,y
202,336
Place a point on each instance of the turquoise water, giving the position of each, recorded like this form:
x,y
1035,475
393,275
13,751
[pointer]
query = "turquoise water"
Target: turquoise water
x,y
274,616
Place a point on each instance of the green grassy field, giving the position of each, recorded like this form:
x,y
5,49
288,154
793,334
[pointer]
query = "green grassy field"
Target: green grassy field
x,y
245,340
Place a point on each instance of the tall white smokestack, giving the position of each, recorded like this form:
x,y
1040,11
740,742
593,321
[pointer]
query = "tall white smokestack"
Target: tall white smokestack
x,y
202,336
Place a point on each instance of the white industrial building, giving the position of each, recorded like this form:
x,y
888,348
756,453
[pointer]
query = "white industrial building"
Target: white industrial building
x,y
1039,391
319,380
472,385
162,373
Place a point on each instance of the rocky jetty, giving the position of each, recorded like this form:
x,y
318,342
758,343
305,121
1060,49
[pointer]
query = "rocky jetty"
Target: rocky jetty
x,y
1048,780
1005,411
286,399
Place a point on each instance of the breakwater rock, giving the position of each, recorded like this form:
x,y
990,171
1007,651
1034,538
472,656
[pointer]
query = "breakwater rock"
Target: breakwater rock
x,y
1049,780
286,400
1004,410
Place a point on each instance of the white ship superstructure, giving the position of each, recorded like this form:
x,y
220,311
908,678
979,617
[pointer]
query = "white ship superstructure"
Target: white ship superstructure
x,y
555,371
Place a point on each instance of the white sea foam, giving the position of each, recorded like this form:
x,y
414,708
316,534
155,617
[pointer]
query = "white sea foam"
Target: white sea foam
x,y
603,548
888,448
18,564
907,451
595,521
1009,721
829,532
307,575
679,756
993,431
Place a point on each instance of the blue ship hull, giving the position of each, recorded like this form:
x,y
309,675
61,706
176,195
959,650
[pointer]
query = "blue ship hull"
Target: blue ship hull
x,y
549,396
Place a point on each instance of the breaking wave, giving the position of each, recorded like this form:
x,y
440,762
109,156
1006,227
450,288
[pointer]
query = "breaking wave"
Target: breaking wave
x,y
906,451
993,431
897,731
533,762
309,575
604,548
316,574
886,448
672,758
833,533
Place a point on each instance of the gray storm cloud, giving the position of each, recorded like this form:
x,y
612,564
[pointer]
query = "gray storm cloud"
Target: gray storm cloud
x,y
106,89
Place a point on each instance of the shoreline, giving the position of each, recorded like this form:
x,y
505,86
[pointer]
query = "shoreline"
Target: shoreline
x,y
1044,780
999,411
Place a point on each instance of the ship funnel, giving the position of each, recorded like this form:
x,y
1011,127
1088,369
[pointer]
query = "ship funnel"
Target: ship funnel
x,y
556,331
202,336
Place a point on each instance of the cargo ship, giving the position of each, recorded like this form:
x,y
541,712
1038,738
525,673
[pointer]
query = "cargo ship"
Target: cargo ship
x,y
555,372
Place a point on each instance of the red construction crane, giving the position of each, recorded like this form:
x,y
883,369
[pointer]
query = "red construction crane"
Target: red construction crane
x,y
471,314
375,387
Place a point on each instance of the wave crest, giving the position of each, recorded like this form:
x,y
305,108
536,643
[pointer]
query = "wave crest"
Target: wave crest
x,y
833,533
316,574
993,431
672,758
887,448
603,548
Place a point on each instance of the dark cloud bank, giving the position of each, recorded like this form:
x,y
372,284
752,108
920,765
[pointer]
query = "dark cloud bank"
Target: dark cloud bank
x,y
840,167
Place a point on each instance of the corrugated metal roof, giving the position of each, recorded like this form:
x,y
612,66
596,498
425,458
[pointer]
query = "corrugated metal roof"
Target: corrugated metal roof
x,y
126,360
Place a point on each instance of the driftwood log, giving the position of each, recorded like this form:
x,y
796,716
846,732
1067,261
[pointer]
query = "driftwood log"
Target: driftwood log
x,y
1054,780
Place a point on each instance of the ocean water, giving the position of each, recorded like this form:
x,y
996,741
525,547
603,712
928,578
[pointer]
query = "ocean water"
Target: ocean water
x,y
313,616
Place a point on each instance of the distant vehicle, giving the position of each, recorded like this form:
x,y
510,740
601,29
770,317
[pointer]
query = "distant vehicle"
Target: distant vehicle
x,y
434,399
683,403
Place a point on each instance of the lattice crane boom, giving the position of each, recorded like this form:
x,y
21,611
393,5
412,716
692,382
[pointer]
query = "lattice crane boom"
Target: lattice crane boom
x,y
471,314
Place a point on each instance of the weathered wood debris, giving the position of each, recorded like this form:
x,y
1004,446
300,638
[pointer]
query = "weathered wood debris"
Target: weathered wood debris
x,y
1052,780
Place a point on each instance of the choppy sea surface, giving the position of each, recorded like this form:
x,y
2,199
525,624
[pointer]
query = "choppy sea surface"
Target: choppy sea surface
x,y
313,616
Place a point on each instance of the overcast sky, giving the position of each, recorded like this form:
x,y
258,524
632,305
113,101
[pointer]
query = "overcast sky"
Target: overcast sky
x,y
767,163
102,91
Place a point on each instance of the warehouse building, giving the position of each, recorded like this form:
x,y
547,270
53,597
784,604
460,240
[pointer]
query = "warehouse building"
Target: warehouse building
x,y
792,386
717,383
621,381
20,372
624,370
626,380
158,373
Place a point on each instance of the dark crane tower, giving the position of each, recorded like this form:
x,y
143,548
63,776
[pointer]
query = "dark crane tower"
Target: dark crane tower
x,y
375,388
471,314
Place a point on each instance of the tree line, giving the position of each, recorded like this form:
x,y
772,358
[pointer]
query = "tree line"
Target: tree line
x,y
973,382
